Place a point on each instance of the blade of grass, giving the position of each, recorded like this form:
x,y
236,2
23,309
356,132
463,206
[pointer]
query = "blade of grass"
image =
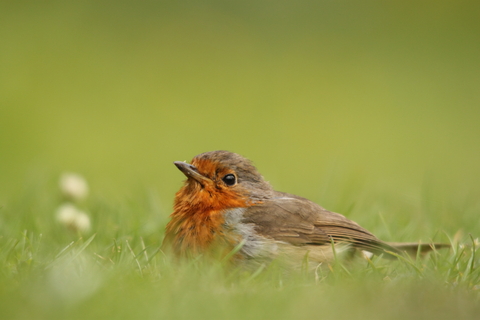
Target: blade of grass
x,y
64,250
419,251
256,273
337,261
471,262
234,251
134,257
154,254
83,247
144,249
385,224
408,262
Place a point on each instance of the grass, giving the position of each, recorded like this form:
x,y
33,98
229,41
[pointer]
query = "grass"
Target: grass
x,y
370,110
118,271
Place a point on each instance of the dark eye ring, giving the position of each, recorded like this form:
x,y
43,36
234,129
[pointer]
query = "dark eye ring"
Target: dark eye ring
x,y
229,179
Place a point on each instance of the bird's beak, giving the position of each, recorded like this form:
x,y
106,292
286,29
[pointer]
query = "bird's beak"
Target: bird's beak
x,y
190,171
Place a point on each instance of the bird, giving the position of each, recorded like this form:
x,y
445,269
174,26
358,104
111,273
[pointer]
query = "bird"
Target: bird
x,y
227,207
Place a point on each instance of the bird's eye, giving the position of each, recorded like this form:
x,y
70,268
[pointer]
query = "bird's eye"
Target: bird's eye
x,y
229,179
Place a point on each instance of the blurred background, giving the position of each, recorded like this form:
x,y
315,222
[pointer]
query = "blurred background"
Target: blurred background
x,y
376,97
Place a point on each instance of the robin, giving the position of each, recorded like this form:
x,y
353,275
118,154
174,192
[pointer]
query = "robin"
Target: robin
x,y
226,203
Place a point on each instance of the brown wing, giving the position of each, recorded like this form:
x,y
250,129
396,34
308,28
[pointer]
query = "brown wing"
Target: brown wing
x,y
299,221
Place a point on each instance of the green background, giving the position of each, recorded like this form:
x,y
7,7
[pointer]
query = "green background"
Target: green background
x,y
370,108
118,90
380,98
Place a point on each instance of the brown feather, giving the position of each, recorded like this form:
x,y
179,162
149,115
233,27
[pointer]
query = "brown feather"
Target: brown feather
x,y
301,222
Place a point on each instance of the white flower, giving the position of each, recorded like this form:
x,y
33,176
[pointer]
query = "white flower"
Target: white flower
x,y
73,218
66,213
367,255
476,243
73,186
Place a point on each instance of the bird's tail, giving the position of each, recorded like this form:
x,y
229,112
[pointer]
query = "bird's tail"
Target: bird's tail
x,y
412,248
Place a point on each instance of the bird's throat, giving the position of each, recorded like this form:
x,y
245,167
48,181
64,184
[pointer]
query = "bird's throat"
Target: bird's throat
x,y
197,219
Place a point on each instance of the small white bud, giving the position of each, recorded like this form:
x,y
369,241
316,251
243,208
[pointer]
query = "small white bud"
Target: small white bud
x,y
82,222
73,186
476,243
66,214
73,218
367,255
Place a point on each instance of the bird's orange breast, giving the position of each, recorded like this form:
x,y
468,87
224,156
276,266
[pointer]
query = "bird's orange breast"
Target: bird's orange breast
x,y
197,220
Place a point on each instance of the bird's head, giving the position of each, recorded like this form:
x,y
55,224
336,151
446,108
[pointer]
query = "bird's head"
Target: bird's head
x,y
221,180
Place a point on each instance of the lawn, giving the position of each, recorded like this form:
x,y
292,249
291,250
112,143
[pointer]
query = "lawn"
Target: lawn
x,y
116,270
369,109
